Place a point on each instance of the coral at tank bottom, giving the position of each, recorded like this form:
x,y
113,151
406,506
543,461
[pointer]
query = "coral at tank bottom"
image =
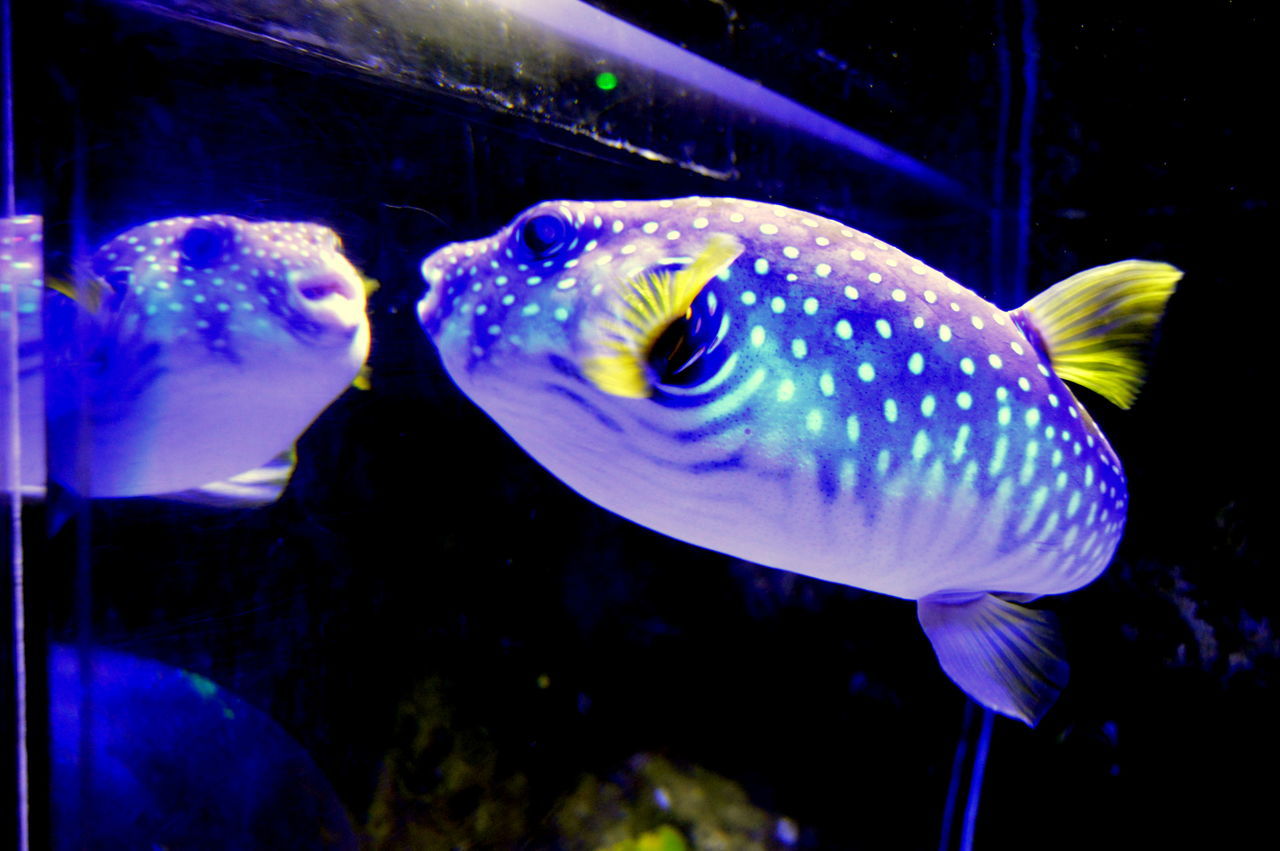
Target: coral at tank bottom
x,y
652,804
448,784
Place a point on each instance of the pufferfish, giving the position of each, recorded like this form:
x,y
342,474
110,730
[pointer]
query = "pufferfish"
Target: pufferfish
x,y
777,386
191,350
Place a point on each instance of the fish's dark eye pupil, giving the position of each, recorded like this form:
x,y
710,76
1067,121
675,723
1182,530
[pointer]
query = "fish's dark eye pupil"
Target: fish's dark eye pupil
x,y
544,234
689,350
201,246
673,352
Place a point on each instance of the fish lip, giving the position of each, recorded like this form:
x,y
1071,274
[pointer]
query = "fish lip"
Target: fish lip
x,y
433,275
330,297
317,287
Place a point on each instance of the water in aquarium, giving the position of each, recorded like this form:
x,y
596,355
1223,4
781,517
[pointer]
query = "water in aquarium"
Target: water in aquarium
x,y
618,426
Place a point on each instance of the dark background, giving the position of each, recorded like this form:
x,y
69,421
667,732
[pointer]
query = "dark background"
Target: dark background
x,y
416,540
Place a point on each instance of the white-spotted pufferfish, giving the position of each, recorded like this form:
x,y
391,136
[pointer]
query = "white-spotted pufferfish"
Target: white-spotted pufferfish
x,y
783,388
196,348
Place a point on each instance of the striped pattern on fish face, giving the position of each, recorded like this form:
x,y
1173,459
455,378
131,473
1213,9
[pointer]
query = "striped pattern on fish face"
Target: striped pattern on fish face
x,y
849,413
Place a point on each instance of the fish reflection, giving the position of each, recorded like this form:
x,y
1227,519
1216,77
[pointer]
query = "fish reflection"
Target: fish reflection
x,y
191,350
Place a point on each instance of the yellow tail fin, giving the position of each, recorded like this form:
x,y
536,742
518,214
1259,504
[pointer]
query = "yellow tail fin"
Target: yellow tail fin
x,y
1092,325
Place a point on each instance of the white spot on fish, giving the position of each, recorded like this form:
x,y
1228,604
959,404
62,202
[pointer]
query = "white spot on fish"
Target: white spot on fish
x,y
920,446
827,384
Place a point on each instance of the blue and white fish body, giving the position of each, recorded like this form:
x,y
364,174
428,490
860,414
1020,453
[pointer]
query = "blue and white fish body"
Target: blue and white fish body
x,y
197,348
783,388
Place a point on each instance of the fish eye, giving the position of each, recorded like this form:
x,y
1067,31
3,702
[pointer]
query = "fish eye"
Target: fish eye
x,y
202,245
689,351
545,235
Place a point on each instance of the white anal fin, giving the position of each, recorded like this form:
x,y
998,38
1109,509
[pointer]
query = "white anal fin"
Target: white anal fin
x,y
251,489
1005,656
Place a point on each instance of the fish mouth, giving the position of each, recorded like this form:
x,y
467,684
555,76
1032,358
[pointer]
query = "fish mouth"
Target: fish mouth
x,y
333,298
429,304
320,290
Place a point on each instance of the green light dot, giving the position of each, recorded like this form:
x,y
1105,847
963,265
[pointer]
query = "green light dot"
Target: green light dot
x,y
606,81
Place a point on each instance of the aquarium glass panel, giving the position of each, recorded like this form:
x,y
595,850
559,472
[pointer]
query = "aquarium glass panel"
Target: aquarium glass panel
x,y
611,425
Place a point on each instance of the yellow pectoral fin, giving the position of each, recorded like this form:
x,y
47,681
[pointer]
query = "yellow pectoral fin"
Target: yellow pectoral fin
x,y
90,295
371,285
364,378
641,308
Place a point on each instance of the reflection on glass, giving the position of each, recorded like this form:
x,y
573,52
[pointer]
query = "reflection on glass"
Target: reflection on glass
x,y
169,759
